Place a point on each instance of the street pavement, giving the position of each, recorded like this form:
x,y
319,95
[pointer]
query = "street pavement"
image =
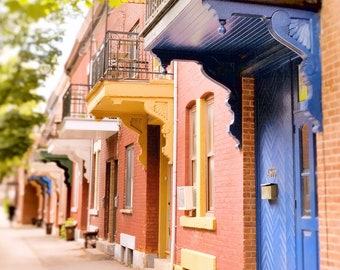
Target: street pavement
x,y
26,247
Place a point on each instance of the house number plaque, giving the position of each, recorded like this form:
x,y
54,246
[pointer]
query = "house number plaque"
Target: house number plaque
x,y
271,172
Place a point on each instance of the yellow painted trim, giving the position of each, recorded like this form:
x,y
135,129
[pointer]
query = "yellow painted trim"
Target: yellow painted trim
x,y
194,260
178,267
207,223
163,222
138,123
137,1
201,161
138,104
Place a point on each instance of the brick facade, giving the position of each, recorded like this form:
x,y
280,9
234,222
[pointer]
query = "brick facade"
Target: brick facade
x,y
129,222
152,191
227,241
249,196
328,141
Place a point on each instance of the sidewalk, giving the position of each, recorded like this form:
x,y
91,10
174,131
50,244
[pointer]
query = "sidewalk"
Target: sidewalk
x,y
30,248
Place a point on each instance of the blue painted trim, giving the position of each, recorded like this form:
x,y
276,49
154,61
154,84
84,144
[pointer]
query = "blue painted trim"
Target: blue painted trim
x,y
48,184
302,37
296,29
43,182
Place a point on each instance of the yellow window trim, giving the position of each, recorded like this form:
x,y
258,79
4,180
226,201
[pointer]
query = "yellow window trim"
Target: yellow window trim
x,y
194,260
206,223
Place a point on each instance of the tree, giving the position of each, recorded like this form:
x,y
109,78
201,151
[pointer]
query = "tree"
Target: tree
x,y
30,35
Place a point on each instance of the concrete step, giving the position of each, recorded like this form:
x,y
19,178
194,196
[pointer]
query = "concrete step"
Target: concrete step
x,y
106,247
162,264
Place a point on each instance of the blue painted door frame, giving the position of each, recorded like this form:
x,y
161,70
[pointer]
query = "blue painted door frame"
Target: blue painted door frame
x,y
307,227
285,237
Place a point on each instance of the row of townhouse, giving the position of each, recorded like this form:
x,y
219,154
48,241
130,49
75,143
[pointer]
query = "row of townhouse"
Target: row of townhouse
x,y
198,134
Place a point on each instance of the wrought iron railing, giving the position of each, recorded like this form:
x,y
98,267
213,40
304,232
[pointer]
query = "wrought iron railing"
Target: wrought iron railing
x,y
74,103
156,8
122,57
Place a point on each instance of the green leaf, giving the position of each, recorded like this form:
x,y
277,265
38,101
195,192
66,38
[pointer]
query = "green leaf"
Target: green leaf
x,y
30,35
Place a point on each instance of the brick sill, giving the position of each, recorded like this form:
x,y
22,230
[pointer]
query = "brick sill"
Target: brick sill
x,y
93,212
126,211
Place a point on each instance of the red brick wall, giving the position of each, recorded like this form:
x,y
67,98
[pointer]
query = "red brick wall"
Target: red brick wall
x,y
80,73
83,203
152,190
132,224
226,243
108,151
99,220
328,142
30,204
125,18
249,195
75,214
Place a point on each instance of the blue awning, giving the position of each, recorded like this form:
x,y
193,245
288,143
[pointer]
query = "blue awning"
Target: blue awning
x,y
48,184
44,182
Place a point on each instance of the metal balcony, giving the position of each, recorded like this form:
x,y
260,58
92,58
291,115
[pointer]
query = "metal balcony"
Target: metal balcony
x,y
158,8
155,8
122,57
76,122
74,103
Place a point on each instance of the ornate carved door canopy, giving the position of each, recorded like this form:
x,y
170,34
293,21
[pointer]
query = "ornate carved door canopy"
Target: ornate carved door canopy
x,y
250,39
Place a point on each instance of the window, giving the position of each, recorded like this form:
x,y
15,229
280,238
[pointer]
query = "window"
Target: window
x,y
134,43
210,153
129,176
94,203
201,139
201,164
193,146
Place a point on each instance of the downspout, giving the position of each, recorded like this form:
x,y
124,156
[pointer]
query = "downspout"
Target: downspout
x,y
90,186
174,176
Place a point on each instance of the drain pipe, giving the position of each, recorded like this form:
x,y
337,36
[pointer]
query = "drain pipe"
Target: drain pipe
x,y
174,177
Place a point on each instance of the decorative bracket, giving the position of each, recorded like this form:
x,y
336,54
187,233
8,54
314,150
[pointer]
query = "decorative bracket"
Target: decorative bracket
x,y
302,37
222,70
163,111
295,29
138,123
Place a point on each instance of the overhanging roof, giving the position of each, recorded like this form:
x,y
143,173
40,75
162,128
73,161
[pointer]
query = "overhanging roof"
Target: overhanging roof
x,y
232,39
192,26
62,162
87,128
137,104
77,150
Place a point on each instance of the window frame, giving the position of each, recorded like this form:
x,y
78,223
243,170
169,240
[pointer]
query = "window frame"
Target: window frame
x,y
204,216
209,131
193,145
94,187
129,176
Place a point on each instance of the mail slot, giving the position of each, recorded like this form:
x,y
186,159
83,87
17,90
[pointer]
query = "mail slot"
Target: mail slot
x,y
269,191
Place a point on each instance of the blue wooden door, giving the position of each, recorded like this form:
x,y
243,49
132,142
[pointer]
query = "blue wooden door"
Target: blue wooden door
x,y
275,162
287,227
